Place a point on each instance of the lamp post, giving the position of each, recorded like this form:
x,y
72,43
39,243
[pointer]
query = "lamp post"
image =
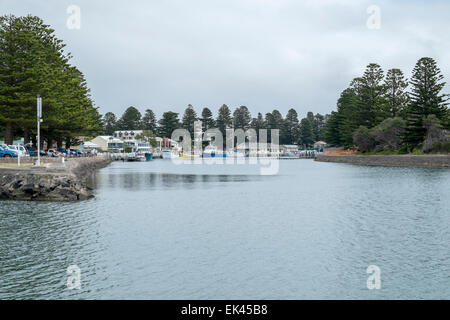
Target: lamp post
x,y
39,120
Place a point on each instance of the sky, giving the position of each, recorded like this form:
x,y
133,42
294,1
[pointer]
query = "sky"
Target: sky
x,y
264,54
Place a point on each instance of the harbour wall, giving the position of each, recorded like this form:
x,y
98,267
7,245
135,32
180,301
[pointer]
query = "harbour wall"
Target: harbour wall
x,y
52,181
420,161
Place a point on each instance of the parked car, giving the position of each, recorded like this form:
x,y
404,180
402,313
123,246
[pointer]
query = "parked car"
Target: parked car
x,y
5,153
75,152
53,153
19,149
66,152
33,152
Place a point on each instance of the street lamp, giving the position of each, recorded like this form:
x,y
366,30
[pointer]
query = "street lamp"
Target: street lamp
x,y
39,120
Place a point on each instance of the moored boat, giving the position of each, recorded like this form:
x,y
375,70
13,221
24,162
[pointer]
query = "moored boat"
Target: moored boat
x,y
148,156
167,154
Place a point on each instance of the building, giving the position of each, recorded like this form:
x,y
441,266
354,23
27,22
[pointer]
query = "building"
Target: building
x,y
289,148
108,143
320,145
127,135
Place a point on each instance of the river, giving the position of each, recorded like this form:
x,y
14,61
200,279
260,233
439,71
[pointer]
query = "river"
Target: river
x,y
158,230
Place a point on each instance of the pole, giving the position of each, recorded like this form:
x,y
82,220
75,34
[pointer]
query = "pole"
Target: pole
x,y
39,115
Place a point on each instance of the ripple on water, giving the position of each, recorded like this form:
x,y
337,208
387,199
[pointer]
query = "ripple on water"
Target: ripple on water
x,y
156,230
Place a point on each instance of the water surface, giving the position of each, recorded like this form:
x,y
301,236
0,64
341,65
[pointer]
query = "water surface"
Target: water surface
x,y
160,231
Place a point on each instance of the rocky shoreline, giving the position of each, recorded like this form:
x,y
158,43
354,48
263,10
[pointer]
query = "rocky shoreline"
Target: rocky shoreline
x,y
53,181
420,161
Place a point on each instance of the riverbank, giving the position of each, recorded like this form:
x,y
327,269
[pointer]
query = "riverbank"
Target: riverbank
x,y
420,161
52,181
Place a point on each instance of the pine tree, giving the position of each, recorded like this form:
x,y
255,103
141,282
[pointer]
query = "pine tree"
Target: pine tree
x,y
207,119
258,123
319,123
349,116
109,123
149,121
426,99
242,118
224,119
396,96
274,120
130,120
290,132
33,62
370,91
168,123
331,130
306,132
189,118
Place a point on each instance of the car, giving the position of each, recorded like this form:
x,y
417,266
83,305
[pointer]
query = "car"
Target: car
x,y
21,151
53,153
75,152
33,152
5,153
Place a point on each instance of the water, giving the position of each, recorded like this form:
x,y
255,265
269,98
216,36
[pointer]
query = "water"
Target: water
x,y
160,231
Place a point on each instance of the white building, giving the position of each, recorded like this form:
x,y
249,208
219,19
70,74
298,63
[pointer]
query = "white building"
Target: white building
x,y
127,135
108,143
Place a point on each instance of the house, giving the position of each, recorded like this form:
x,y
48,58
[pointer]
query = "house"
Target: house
x,y
108,143
127,135
164,143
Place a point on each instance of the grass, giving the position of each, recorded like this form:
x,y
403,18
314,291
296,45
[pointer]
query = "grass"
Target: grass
x,y
14,165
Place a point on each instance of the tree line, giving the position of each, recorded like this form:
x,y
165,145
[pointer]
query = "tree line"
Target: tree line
x,y
380,112
376,112
33,61
292,131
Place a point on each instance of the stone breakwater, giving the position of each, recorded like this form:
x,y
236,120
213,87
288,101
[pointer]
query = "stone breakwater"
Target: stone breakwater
x,y
53,181
420,161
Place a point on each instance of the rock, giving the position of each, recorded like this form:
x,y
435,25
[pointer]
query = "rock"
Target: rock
x,y
51,183
28,188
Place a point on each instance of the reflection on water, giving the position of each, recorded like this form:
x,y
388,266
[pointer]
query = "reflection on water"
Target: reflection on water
x,y
160,231
139,181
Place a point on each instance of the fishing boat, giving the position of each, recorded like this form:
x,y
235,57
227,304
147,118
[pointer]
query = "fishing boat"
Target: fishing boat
x,y
141,152
212,152
148,156
214,155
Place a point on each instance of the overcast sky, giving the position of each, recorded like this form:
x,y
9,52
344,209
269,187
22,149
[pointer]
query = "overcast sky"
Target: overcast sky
x,y
264,54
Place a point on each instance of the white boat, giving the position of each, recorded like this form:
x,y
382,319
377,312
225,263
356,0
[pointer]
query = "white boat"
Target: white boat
x,y
167,154
211,152
141,151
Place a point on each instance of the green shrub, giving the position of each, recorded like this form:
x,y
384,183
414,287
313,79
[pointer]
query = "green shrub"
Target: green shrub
x,y
363,139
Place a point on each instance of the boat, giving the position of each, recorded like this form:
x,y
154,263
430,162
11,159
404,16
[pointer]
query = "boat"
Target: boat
x,y
189,156
167,154
214,155
140,152
148,156
212,152
157,154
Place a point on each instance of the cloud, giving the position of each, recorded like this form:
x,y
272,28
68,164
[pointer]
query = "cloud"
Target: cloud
x,y
264,54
